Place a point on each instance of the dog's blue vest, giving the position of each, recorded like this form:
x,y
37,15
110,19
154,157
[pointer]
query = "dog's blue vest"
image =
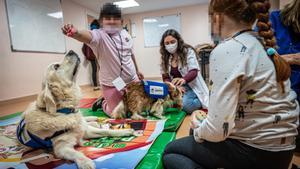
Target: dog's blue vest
x,y
30,140
156,90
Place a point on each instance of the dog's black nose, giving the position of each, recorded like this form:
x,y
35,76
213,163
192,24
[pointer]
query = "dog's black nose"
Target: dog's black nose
x,y
71,52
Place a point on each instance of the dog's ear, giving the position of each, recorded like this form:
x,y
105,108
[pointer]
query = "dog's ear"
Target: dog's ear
x,y
56,90
171,87
178,91
46,100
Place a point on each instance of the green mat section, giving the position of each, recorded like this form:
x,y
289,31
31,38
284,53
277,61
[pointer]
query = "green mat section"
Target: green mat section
x,y
174,117
89,112
153,160
10,116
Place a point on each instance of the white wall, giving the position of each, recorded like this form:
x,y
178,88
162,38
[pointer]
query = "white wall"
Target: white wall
x,y
194,30
21,73
275,4
284,2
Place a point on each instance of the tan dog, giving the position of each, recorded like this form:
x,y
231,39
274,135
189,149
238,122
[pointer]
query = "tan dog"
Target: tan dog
x,y
136,101
55,118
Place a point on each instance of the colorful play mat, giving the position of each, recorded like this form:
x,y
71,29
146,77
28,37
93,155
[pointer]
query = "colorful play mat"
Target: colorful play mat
x,y
140,152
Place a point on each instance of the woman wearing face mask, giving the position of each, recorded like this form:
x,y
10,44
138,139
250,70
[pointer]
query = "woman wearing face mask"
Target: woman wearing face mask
x,y
286,26
253,113
179,65
113,47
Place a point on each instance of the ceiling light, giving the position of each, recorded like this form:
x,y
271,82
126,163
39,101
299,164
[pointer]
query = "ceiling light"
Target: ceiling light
x,y
150,20
56,15
127,3
163,25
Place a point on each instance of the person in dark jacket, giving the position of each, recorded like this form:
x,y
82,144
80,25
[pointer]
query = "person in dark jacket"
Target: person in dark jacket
x,y
90,56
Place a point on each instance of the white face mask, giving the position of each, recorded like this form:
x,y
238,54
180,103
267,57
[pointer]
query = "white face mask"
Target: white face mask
x,y
111,29
172,48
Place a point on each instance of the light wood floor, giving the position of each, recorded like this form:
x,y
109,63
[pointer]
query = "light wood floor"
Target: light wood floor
x,y
19,105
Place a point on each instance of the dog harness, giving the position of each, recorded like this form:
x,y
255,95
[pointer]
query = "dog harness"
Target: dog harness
x,y
30,140
156,90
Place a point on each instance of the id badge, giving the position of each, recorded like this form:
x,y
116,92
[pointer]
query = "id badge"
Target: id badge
x,y
119,83
156,90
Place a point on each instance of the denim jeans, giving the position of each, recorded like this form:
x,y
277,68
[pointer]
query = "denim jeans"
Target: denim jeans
x,y
190,101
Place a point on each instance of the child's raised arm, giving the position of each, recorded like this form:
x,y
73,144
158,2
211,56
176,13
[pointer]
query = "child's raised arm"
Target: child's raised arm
x,y
82,35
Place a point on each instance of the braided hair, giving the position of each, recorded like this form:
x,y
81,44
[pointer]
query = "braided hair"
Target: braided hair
x,y
247,12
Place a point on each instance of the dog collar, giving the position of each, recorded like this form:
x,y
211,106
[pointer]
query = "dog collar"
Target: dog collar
x,y
66,110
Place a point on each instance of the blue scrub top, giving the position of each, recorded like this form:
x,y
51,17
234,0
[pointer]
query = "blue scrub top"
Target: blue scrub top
x,y
288,43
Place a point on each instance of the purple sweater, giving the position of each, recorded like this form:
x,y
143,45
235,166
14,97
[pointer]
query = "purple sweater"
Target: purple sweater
x,y
190,76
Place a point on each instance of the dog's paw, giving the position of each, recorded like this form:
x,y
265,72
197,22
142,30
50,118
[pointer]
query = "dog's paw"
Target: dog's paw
x,y
136,116
85,163
127,132
118,115
122,133
93,124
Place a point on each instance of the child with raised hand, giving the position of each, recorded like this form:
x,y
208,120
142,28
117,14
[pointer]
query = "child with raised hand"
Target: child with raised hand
x,y
114,50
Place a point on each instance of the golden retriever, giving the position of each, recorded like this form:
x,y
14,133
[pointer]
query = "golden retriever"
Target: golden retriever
x,y
135,100
54,120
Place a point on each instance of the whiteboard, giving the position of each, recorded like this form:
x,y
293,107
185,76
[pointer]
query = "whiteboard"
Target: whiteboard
x,y
35,25
154,28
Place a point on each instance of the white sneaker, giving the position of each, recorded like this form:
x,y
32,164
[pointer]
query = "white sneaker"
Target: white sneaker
x,y
97,88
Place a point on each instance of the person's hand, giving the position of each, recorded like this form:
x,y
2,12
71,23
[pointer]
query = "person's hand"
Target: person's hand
x,y
140,75
178,81
197,117
194,123
292,59
181,89
69,30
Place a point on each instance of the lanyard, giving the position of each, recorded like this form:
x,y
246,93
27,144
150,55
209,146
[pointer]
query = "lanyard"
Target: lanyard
x,y
119,52
241,32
